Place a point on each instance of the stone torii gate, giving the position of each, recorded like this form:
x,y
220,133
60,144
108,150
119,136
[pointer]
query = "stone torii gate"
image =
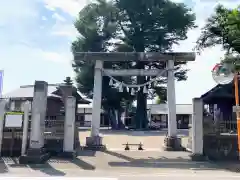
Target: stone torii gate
x,y
172,142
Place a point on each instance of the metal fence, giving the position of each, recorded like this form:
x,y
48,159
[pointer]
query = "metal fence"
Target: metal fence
x,y
220,125
53,136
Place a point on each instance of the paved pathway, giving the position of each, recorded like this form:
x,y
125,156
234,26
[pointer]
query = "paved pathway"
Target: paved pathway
x,y
114,139
123,165
116,163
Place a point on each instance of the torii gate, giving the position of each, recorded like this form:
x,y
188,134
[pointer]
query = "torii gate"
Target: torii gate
x,y
172,142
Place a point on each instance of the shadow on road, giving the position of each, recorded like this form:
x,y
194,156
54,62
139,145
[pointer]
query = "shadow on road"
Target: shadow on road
x,y
229,166
82,164
119,155
3,166
47,169
86,153
77,161
177,162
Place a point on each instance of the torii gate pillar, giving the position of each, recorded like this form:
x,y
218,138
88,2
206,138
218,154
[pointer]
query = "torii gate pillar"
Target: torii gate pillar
x,y
95,140
171,142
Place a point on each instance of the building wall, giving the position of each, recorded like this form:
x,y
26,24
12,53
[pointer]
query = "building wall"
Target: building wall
x,y
54,106
158,114
163,108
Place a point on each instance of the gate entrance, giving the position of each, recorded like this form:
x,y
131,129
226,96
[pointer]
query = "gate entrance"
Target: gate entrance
x,y
23,134
172,142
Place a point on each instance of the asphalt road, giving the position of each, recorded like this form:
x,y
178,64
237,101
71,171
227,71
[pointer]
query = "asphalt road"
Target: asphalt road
x,y
109,175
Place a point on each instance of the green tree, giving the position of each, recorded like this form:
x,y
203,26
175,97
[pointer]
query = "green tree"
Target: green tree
x,y
94,26
149,26
140,26
222,28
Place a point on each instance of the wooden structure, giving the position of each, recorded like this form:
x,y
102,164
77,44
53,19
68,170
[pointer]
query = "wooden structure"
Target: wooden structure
x,y
219,123
55,104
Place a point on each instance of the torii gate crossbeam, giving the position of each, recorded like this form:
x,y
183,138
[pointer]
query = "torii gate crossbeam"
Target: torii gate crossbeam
x,y
99,57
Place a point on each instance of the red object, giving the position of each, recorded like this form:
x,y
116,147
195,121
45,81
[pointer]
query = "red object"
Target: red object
x,y
216,66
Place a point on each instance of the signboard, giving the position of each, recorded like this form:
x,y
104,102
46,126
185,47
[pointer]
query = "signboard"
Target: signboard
x,y
13,120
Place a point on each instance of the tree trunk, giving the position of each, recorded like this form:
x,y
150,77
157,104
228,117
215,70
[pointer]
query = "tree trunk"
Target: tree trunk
x,y
120,123
141,120
112,118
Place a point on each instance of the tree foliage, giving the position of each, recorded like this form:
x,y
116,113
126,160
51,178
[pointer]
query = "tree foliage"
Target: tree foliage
x,y
222,28
136,25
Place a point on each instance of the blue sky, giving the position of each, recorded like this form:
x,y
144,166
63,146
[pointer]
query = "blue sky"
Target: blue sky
x,y
35,38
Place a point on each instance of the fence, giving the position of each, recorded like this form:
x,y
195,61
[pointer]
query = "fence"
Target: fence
x,y
221,125
220,138
53,136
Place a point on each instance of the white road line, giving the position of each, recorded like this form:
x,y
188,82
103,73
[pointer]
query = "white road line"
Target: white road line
x,y
203,175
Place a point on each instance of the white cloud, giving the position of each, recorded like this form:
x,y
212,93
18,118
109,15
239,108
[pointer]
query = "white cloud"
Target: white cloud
x,y
55,57
65,29
69,6
58,17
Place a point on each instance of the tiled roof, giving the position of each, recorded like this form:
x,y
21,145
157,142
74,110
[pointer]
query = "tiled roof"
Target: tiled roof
x,y
27,91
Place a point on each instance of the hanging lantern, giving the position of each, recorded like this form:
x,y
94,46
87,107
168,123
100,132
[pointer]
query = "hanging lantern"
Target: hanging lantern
x,y
132,91
127,89
139,88
145,91
120,87
111,82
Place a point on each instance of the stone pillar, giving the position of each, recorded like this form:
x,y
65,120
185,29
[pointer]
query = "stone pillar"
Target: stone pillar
x,y
197,130
95,141
36,153
172,142
3,104
69,128
66,90
25,127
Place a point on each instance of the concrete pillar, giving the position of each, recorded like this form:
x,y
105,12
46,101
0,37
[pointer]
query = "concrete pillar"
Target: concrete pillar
x,y
38,115
36,153
171,100
66,90
197,130
171,141
25,127
69,128
3,104
95,140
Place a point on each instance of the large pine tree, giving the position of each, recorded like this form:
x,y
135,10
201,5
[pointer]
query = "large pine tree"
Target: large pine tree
x,y
134,25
